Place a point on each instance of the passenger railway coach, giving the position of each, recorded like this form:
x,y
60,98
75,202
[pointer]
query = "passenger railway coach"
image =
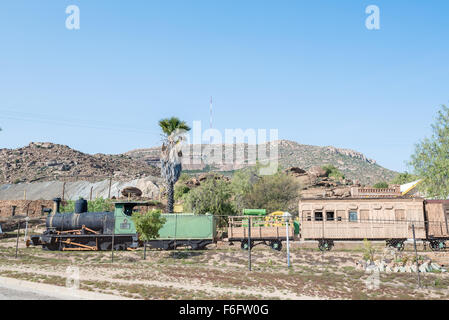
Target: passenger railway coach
x,y
389,219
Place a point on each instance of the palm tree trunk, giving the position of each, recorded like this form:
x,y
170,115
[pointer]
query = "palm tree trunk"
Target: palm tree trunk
x,y
170,197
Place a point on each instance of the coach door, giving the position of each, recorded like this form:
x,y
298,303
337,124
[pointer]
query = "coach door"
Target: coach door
x,y
446,217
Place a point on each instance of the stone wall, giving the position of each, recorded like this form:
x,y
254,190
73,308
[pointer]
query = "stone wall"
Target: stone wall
x,y
32,208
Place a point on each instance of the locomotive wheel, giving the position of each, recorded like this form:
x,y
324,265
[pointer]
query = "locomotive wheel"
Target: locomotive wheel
x,y
106,245
50,247
244,245
276,245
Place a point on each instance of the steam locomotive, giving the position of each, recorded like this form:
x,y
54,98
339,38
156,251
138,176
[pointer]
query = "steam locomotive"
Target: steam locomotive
x,y
83,230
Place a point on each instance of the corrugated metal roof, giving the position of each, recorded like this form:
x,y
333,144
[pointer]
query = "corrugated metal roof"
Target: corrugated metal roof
x,y
406,188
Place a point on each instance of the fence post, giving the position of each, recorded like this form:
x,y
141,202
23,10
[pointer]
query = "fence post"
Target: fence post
x,y
288,242
112,247
249,243
416,256
110,184
17,240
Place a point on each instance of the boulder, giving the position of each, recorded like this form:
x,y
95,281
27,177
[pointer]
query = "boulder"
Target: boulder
x,y
295,170
317,171
435,267
131,191
424,267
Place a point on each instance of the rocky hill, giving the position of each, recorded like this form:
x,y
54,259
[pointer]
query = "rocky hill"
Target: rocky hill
x,y
353,164
41,161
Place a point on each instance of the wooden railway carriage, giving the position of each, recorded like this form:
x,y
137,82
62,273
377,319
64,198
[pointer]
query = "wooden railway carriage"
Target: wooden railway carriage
x,y
437,216
390,219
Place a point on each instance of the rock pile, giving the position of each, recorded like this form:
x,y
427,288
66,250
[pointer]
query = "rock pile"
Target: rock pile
x,y
44,161
400,264
316,184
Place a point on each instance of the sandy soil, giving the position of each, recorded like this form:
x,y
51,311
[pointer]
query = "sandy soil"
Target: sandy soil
x,y
221,272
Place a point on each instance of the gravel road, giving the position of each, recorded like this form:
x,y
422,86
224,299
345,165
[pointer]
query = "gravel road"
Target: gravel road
x,y
8,293
15,289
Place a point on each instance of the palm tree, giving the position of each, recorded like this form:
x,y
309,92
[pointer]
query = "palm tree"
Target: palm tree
x,y
173,134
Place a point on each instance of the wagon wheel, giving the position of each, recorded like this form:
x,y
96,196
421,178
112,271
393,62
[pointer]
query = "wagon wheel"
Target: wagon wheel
x,y
325,245
276,245
437,245
244,245
400,246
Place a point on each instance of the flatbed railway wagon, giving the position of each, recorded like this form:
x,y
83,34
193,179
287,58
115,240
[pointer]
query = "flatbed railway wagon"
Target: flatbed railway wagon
x,y
186,230
254,230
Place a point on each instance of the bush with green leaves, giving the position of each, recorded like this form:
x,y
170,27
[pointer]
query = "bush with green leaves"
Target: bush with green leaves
x,y
368,250
97,205
381,185
333,172
241,184
180,191
148,224
278,192
212,196
403,178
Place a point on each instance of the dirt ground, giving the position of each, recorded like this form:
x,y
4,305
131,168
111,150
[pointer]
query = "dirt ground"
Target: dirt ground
x,y
221,272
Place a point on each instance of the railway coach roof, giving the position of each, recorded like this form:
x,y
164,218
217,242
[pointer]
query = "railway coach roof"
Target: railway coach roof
x,y
137,203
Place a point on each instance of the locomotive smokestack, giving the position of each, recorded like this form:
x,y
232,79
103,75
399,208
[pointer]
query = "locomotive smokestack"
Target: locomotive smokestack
x,y
56,205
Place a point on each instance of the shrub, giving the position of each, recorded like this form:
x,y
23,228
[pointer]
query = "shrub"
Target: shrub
x,y
212,196
381,185
368,250
97,205
273,193
333,172
148,224
241,184
403,178
180,191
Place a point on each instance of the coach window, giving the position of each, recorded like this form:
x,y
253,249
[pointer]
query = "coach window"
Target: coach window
x,y
353,216
330,216
318,216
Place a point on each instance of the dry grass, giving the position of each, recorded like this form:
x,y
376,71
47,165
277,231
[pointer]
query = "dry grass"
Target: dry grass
x,y
220,273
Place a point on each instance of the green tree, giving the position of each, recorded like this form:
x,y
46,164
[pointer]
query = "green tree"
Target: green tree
x,y
148,224
381,185
403,178
180,191
241,184
212,196
430,160
275,192
173,135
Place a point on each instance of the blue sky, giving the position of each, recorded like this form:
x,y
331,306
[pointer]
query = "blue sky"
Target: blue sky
x,y
308,68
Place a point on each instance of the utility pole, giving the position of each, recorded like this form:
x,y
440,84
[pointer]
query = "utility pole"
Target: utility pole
x,y
249,243
210,118
416,256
